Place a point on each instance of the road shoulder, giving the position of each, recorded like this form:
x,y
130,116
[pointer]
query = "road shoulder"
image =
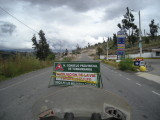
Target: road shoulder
x,y
149,76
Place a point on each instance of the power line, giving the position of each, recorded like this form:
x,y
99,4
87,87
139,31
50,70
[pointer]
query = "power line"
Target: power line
x,y
17,19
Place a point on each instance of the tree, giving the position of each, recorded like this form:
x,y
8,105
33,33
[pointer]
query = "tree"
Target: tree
x,y
128,25
153,29
42,47
35,44
108,39
119,25
99,51
51,56
146,39
103,40
77,47
88,45
66,52
114,40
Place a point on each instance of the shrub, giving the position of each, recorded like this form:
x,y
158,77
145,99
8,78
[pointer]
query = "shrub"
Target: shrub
x,y
51,57
146,39
111,62
127,64
67,59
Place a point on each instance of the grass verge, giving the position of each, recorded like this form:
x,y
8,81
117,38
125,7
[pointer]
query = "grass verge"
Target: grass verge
x,y
19,65
111,62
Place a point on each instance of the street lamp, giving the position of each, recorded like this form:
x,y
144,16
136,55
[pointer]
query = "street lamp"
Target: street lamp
x,y
107,47
129,18
140,37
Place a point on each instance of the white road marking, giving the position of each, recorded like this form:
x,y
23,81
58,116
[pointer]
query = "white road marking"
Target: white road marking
x,y
138,84
22,81
128,79
156,93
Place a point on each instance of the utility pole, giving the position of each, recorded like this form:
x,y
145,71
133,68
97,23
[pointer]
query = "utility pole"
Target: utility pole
x,y
107,47
140,33
140,38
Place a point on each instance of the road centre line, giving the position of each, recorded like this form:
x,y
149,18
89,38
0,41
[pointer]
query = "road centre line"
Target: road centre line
x,y
156,93
23,81
138,84
115,72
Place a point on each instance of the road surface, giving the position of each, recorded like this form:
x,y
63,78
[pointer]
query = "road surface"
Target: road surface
x,y
19,94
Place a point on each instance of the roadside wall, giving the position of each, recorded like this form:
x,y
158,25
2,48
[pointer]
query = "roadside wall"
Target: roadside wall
x,y
102,56
145,55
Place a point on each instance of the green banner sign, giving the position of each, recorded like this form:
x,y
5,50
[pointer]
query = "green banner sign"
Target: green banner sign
x,y
76,73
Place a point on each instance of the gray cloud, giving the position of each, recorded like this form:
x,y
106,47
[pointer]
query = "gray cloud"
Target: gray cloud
x,y
71,21
59,44
78,5
6,28
113,9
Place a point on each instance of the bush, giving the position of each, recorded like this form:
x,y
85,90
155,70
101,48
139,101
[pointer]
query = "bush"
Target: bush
x,y
51,57
67,59
146,39
111,62
127,64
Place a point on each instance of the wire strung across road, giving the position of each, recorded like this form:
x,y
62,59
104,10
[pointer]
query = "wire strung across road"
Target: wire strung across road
x,y
17,19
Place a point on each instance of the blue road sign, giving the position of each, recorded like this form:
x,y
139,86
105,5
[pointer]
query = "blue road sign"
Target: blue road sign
x,y
142,63
120,52
121,43
120,40
137,63
121,32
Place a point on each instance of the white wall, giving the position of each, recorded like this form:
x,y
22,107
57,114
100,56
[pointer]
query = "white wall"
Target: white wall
x,y
113,57
102,56
145,55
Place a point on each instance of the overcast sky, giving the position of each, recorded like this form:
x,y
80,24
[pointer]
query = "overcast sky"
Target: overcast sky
x,y
69,22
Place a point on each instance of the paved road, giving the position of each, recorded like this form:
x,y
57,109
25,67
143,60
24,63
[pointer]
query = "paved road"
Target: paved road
x,y
19,94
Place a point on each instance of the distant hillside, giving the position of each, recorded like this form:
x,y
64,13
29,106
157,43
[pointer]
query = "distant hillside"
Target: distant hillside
x,y
147,47
16,50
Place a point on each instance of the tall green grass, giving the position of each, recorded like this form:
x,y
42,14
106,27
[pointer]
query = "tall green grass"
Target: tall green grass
x,y
20,64
67,59
111,62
